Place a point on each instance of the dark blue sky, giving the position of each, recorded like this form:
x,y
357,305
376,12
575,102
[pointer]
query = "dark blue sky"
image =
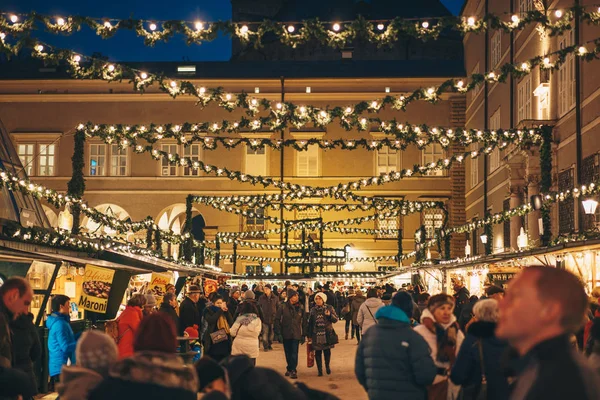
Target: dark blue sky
x,y
125,46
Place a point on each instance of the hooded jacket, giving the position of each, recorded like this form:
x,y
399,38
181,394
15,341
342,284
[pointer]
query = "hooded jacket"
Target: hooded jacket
x,y
76,383
393,361
128,321
467,368
148,375
366,313
26,345
61,342
245,330
357,301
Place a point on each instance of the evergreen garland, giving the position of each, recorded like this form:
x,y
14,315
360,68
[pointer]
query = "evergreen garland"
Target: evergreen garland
x,y
158,241
149,237
489,232
188,243
76,185
546,181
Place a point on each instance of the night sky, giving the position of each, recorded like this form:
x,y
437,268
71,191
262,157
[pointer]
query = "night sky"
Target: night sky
x,y
125,46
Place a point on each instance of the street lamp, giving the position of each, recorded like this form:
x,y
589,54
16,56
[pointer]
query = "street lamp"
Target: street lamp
x,y
589,206
483,238
467,249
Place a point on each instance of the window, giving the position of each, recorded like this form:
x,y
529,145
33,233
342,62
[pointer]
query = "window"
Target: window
x,y
432,154
168,169
566,76
26,155
389,223
192,153
496,49
46,160
590,172
474,167
495,154
256,161
524,92
118,161
97,159
256,222
566,209
525,6
308,161
477,88
433,219
387,160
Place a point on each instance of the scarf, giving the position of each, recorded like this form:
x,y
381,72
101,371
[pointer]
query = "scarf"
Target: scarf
x,y
246,319
320,324
446,336
222,323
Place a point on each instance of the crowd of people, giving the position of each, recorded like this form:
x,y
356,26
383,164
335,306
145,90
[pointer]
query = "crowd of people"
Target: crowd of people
x,y
509,344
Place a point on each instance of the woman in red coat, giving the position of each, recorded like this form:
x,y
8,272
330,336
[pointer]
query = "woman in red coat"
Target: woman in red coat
x,y
128,321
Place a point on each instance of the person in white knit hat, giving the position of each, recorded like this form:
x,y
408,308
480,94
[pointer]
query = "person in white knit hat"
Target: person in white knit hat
x,y
95,353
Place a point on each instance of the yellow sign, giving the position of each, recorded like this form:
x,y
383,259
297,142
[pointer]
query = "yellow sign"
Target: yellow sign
x,y
97,282
158,285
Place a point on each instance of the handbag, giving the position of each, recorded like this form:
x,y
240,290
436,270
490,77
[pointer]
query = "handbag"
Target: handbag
x,y
218,336
470,392
438,391
310,355
332,337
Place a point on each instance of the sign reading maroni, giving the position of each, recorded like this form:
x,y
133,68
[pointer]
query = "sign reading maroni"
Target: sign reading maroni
x,y
96,287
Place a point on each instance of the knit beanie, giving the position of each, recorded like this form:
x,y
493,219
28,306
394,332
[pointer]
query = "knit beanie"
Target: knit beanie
x,y
291,293
492,290
403,300
439,300
96,351
322,295
249,295
208,371
156,332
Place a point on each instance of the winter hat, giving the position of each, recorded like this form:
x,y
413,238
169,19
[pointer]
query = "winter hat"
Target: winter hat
x,y
96,351
268,285
403,300
492,290
291,293
439,300
249,295
169,286
192,331
322,295
150,300
156,332
194,289
208,371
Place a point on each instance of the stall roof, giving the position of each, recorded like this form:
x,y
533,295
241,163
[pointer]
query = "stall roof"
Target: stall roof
x,y
314,276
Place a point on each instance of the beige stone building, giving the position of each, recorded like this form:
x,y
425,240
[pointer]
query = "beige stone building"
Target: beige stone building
x,y
40,108
568,99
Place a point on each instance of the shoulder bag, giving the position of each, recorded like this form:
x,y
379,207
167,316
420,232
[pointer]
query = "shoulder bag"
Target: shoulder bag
x,y
372,316
471,392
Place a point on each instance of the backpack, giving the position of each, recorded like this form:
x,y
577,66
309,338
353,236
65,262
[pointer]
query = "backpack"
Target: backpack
x,y
111,328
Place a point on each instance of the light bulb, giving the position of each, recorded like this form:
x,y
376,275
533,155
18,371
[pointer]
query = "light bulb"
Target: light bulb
x,y
278,105
2,35
253,102
471,21
302,109
515,19
77,58
582,50
323,114
524,66
107,25
291,29
348,110
460,84
202,90
336,27
380,27
425,25
227,97
60,21
491,75
153,26
199,26
144,75
430,91
546,61
173,84
111,68
374,104
558,13
14,18
39,48
244,29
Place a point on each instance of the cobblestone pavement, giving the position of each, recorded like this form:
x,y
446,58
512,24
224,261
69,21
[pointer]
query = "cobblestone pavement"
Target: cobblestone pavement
x,y
342,381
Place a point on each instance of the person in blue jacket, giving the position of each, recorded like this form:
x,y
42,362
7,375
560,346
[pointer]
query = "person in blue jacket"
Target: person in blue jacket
x,y
61,340
467,367
393,361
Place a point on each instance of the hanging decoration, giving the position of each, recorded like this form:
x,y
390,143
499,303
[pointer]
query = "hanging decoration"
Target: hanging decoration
x,y
335,34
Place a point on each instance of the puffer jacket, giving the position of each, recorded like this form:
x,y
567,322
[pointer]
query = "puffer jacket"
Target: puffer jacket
x,y
366,313
128,323
61,342
358,300
148,375
76,383
245,330
393,361
467,367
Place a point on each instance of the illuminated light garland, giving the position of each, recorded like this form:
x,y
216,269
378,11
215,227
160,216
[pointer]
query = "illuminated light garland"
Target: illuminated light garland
x,y
190,133
342,230
523,138
295,33
94,68
316,260
64,239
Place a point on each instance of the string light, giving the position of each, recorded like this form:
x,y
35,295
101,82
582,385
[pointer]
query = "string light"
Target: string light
x,y
291,28
425,24
199,25
380,26
244,29
153,26
471,21
558,13
14,19
336,27
60,21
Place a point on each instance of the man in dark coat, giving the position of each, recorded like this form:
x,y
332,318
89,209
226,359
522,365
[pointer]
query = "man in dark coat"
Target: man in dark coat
x,y
393,361
542,308
15,298
189,315
268,305
331,298
290,322
168,306
27,348
233,303
461,297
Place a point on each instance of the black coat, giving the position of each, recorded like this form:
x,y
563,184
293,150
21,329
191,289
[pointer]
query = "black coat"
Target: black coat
x,y
188,315
13,383
467,368
461,298
170,311
331,298
26,345
290,321
268,307
211,317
